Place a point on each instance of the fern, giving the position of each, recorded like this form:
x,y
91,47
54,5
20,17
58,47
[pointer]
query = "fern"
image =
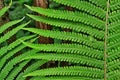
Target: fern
x,y
11,33
16,70
3,10
31,68
90,8
68,48
73,70
10,54
3,50
10,64
70,25
75,37
9,24
62,78
70,58
72,16
93,50
94,40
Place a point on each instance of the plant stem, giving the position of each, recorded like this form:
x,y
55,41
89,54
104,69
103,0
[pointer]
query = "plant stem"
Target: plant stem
x,y
105,42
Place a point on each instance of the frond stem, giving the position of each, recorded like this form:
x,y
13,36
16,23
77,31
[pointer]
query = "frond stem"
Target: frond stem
x,y
105,41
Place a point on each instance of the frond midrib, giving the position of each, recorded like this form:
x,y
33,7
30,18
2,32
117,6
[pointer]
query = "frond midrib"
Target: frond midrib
x,y
105,41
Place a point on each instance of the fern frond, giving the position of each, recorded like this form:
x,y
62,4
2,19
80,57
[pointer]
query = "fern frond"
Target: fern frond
x,y
72,71
114,41
114,16
95,37
4,49
114,37
12,32
114,32
114,46
63,78
100,3
115,5
16,70
9,24
70,25
69,15
11,53
14,61
114,26
75,37
83,60
81,5
3,10
114,65
68,48
114,75
17,42
31,68
114,56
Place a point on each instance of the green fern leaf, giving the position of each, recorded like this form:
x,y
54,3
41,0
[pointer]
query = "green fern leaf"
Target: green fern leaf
x,y
115,5
9,66
69,15
68,48
12,32
76,70
31,68
3,50
3,10
69,58
16,70
9,24
100,3
70,25
90,8
63,78
75,37
94,40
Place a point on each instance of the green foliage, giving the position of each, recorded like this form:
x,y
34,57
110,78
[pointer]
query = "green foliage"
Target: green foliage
x,y
2,11
69,71
92,51
94,40
11,56
18,10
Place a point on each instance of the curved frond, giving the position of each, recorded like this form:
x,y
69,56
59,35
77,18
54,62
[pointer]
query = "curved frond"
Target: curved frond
x,y
13,52
31,68
75,37
70,25
93,50
70,15
67,48
95,34
16,70
83,60
69,71
81,5
9,24
63,78
3,10
12,32
9,66
4,49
